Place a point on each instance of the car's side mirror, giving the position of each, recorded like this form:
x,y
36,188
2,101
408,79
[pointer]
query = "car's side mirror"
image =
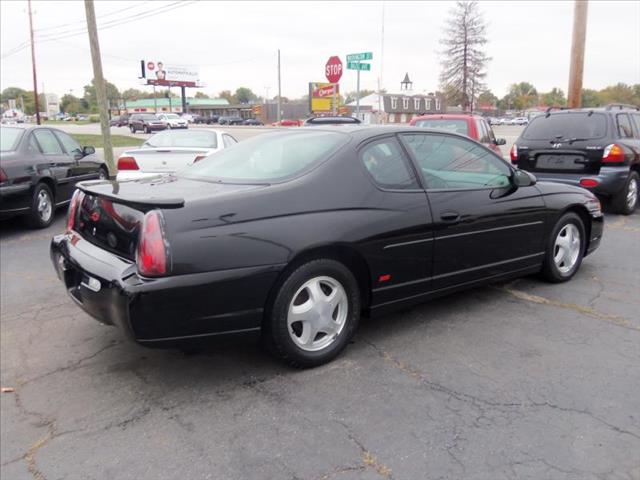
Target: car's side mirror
x,y
500,141
88,151
522,178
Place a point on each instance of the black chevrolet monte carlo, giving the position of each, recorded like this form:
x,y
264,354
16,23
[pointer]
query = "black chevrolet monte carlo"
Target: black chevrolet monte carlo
x,y
294,235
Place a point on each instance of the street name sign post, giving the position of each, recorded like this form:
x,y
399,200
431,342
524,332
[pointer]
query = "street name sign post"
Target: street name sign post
x,y
353,63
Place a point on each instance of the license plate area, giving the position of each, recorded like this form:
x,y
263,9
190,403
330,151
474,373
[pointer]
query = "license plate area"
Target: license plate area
x,y
560,162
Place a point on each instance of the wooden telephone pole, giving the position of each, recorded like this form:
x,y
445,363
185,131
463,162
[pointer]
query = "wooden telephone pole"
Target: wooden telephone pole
x,y
576,67
33,67
101,91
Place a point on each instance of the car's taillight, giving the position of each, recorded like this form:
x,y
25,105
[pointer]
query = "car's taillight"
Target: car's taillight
x,y
589,182
199,157
613,153
153,250
513,153
127,163
76,200
3,176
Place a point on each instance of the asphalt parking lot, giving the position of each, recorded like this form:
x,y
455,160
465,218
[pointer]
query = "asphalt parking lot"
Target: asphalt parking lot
x,y
523,380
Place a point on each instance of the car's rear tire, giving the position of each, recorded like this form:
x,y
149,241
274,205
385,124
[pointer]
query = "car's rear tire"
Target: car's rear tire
x,y
43,207
565,249
147,130
626,201
314,314
133,130
103,173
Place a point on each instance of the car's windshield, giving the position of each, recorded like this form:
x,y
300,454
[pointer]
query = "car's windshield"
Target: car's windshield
x,y
9,138
188,138
560,126
458,126
171,115
149,116
267,158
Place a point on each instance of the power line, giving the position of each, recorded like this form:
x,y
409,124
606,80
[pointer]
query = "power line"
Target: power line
x,y
83,21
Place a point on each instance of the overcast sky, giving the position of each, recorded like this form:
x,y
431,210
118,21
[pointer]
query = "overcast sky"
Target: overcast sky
x,y
234,43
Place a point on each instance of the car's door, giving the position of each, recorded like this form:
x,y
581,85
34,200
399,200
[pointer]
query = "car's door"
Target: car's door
x,y
59,163
484,226
84,167
400,260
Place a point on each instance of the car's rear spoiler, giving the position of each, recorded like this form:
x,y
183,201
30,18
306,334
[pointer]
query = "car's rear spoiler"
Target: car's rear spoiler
x,y
110,190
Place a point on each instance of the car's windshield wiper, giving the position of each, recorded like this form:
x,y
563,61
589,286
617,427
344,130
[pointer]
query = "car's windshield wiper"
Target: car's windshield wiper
x,y
569,140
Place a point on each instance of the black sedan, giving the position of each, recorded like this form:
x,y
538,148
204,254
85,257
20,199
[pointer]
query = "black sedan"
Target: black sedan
x,y
293,235
39,169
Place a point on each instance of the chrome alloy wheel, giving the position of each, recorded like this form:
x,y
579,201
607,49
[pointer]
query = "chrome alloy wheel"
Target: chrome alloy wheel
x,y
632,193
567,248
45,207
317,313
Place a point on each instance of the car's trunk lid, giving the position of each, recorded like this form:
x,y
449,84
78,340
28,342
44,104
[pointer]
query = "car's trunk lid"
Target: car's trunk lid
x,y
163,160
110,214
564,142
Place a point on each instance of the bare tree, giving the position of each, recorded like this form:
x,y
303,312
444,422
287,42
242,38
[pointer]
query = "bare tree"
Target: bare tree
x,y
463,57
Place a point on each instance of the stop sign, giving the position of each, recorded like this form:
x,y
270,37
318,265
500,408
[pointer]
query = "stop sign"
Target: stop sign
x,y
333,69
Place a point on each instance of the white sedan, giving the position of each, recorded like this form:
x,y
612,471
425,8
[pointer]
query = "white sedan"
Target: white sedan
x,y
171,150
173,120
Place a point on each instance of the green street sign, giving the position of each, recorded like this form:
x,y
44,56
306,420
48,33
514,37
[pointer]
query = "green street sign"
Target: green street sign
x,y
358,57
358,66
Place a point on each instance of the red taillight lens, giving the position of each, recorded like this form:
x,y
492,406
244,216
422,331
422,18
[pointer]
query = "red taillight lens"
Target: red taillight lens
x,y
3,176
513,153
613,154
152,258
76,200
199,157
127,163
589,182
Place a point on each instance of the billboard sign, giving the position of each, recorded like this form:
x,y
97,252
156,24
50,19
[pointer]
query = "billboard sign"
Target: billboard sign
x,y
170,75
321,97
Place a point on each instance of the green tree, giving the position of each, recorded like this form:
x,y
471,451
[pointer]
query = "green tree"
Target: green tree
x,y
245,95
554,98
522,95
487,98
134,94
91,98
72,104
201,95
464,61
590,98
227,95
618,93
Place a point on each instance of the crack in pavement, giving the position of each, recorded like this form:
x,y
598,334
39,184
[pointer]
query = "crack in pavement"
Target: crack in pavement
x,y
480,403
588,311
368,460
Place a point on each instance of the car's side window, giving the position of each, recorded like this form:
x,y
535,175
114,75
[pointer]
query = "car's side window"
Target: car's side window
x,y
492,136
483,135
33,146
70,145
48,142
387,164
636,119
448,162
624,126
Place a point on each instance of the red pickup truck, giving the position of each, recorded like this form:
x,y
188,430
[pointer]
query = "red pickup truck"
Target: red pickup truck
x,y
473,126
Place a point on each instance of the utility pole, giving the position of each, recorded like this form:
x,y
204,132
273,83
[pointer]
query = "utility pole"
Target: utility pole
x,y
279,114
101,91
576,66
33,66
358,94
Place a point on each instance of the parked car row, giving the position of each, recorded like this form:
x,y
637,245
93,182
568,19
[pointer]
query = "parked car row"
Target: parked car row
x,y
508,121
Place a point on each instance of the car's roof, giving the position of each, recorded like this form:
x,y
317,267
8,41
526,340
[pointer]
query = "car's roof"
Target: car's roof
x,y
363,132
448,116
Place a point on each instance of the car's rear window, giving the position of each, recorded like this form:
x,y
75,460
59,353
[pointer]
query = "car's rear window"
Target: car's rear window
x,y
188,138
576,125
9,138
450,125
267,158
149,116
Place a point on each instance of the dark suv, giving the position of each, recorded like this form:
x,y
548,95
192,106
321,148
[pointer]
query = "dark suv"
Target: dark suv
x,y
147,122
597,149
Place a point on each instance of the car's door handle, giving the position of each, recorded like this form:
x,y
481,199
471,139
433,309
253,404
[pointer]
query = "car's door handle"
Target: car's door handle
x,y
450,216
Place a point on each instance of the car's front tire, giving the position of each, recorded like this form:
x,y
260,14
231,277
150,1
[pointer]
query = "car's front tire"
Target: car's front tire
x,y
314,314
626,201
133,130
565,249
42,207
